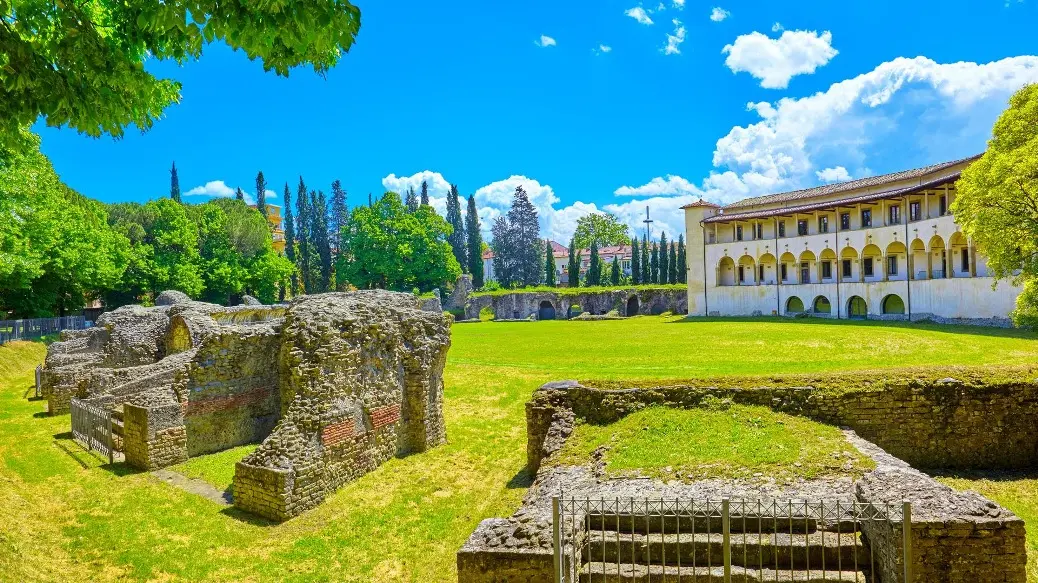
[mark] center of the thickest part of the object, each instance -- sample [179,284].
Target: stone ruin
[332,385]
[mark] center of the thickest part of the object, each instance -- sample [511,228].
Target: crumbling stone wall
[154,437]
[522,305]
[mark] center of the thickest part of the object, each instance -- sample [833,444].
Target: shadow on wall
[893,324]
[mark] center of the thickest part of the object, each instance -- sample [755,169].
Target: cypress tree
[573,266]
[663,259]
[682,260]
[636,262]
[594,268]
[261,195]
[319,238]
[174,184]
[412,200]
[303,236]
[614,272]
[425,192]
[290,239]
[549,264]
[457,236]
[239,195]
[646,268]
[672,264]
[654,264]
[337,219]
[475,243]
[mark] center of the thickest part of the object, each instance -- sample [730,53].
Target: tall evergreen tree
[594,267]
[646,268]
[290,240]
[303,236]
[425,192]
[672,263]
[337,218]
[636,262]
[412,200]
[682,260]
[517,244]
[475,243]
[174,184]
[573,266]
[457,236]
[549,264]
[664,259]
[239,194]
[614,272]
[319,238]
[261,195]
[654,264]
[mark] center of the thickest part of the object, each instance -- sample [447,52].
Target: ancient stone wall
[154,437]
[627,302]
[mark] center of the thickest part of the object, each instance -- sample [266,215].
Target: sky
[591,106]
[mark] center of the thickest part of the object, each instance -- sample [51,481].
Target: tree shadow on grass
[522,479]
[41,415]
[899,325]
[248,518]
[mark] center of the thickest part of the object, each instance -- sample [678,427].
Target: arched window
[822,305]
[546,311]
[857,308]
[794,305]
[726,271]
[893,304]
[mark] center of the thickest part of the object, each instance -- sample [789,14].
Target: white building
[880,247]
[560,253]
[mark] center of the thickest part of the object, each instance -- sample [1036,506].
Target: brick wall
[154,437]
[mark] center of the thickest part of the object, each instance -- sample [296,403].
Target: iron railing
[92,427]
[682,540]
[36,328]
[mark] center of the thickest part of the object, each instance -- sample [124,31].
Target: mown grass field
[65,514]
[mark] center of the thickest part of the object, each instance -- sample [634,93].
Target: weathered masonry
[884,247]
[559,306]
[332,386]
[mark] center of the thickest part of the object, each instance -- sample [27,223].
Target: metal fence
[39,381]
[709,541]
[29,329]
[92,427]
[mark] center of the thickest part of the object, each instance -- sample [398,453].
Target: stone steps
[610,572]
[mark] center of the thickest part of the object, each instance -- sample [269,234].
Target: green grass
[718,442]
[574,291]
[65,513]
[215,468]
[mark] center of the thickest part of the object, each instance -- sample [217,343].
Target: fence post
[556,538]
[906,529]
[726,539]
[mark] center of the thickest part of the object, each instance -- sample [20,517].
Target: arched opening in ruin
[178,339]
[822,305]
[893,304]
[546,311]
[632,306]
[857,308]
[657,309]
[794,305]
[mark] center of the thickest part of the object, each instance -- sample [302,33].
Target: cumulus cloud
[777,27]
[670,186]
[219,189]
[718,14]
[834,174]
[438,187]
[602,49]
[638,13]
[545,41]
[674,40]
[776,61]
[679,4]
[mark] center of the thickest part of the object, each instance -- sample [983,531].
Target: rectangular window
[742,274]
[895,214]
[942,204]
[785,272]
[738,232]
[805,272]
[823,224]
[782,228]
[845,221]
[760,274]
[965,261]
[892,265]
[712,238]
[801,227]
[867,266]
[914,211]
[827,270]
[846,267]
[866,218]
[760,231]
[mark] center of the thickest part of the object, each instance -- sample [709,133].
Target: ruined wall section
[522,305]
[361,381]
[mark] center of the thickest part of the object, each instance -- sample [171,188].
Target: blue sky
[584,104]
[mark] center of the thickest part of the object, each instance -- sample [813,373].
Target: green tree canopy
[81,64]
[602,228]
[997,203]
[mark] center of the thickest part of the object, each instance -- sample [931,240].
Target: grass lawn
[721,442]
[67,514]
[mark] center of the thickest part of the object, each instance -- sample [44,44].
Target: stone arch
[872,257]
[178,338]
[768,264]
[821,305]
[938,254]
[849,267]
[857,308]
[958,246]
[747,270]
[899,252]
[546,311]
[632,306]
[794,305]
[806,267]
[726,271]
[918,251]
[893,304]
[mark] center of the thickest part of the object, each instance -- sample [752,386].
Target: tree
[425,193]
[602,228]
[174,184]
[338,218]
[573,266]
[997,202]
[82,64]
[412,200]
[594,267]
[303,253]
[664,259]
[549,264]
[654,264]
[636,262]
[290,240]
[672,264]
[239,194]
[682,260]
[319,241]
[614,272]
[646,268]
[517,243]
[392,248]
[475,243]
[457,236]
[261,195]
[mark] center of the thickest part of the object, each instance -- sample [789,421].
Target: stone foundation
[627,302]
[154,437]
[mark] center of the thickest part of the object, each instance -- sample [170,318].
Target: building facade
[277,233]
[885,247]
[560,253]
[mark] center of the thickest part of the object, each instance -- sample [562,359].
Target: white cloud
[638,13]
[776,61]
[679,4]
[545,41]
[674,40]
[670,186]
[438,187]
[718,14]
[602,49]
[834,174]
[777,27]
[219,189]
